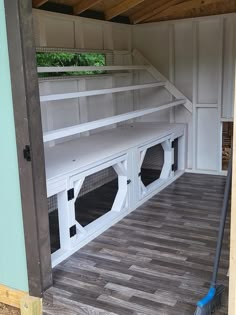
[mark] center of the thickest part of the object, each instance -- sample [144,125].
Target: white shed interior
[164,81]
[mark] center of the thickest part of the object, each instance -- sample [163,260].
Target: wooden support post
[11,297]
[232,266]
[27,116]
[28,305]
[31,306]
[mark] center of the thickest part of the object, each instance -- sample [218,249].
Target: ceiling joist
[38,3]
[175,10]
[120,8]
[139,11]
[84,5]
[152,10]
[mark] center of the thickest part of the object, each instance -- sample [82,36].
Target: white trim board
[206,172]
[56,97]
[69,131]
[90,68]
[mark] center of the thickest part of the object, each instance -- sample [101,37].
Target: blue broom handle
[222,223]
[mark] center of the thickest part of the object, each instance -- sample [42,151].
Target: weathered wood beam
[232,265]
[177,9]
[38,3]
[120,8]
[151,10]
[84,5]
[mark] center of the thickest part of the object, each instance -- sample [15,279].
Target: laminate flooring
[156,261]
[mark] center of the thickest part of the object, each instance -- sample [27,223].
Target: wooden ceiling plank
[38,3]
[120,8]
[152,10]
[181,8]
[84,5]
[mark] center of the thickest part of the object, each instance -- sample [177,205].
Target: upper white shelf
[56,97]
[91,68]
[73,130]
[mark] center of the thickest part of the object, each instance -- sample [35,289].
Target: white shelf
[90,68]
[73,130]
[56,97]
[78,154]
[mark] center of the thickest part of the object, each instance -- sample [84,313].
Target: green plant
[70,59]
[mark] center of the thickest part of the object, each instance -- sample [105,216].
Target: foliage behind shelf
[68,60]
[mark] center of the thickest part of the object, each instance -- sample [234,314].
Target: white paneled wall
[58,30]
[198,56]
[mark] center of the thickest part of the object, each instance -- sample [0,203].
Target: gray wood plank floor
[158,260]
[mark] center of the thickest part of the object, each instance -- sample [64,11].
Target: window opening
[70,59]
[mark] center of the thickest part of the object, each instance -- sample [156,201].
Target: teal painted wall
[13,269]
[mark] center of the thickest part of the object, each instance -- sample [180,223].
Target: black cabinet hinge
[128,181]
[140,174]
[27,153]
[70,194]
[72,231]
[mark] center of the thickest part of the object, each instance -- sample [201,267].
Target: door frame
[29,135]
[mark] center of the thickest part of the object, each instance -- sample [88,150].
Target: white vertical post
[64,220]
[166,170]
[172,64]
[195,92]
[82,103]
[121,197]
[220,90]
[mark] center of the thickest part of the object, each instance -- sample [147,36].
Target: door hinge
[128,181]
[70,194]
[27,153]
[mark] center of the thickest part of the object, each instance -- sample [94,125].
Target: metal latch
[27,153]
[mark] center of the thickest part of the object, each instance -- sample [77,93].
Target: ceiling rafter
[180,8]
[140,11]
[121,7]
[152,10]
[38,3]
[84,5]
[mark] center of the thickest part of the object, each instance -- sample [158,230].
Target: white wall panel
[122,37]
[59,32]
[199,63]
[100,106]
[185,117]
[208,61]
[64,112]
[123,102]
[93,35]
[207,139]
[228,73]
[183,58]
[66,31]
[153,42]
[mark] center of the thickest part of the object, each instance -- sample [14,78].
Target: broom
[212,300]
